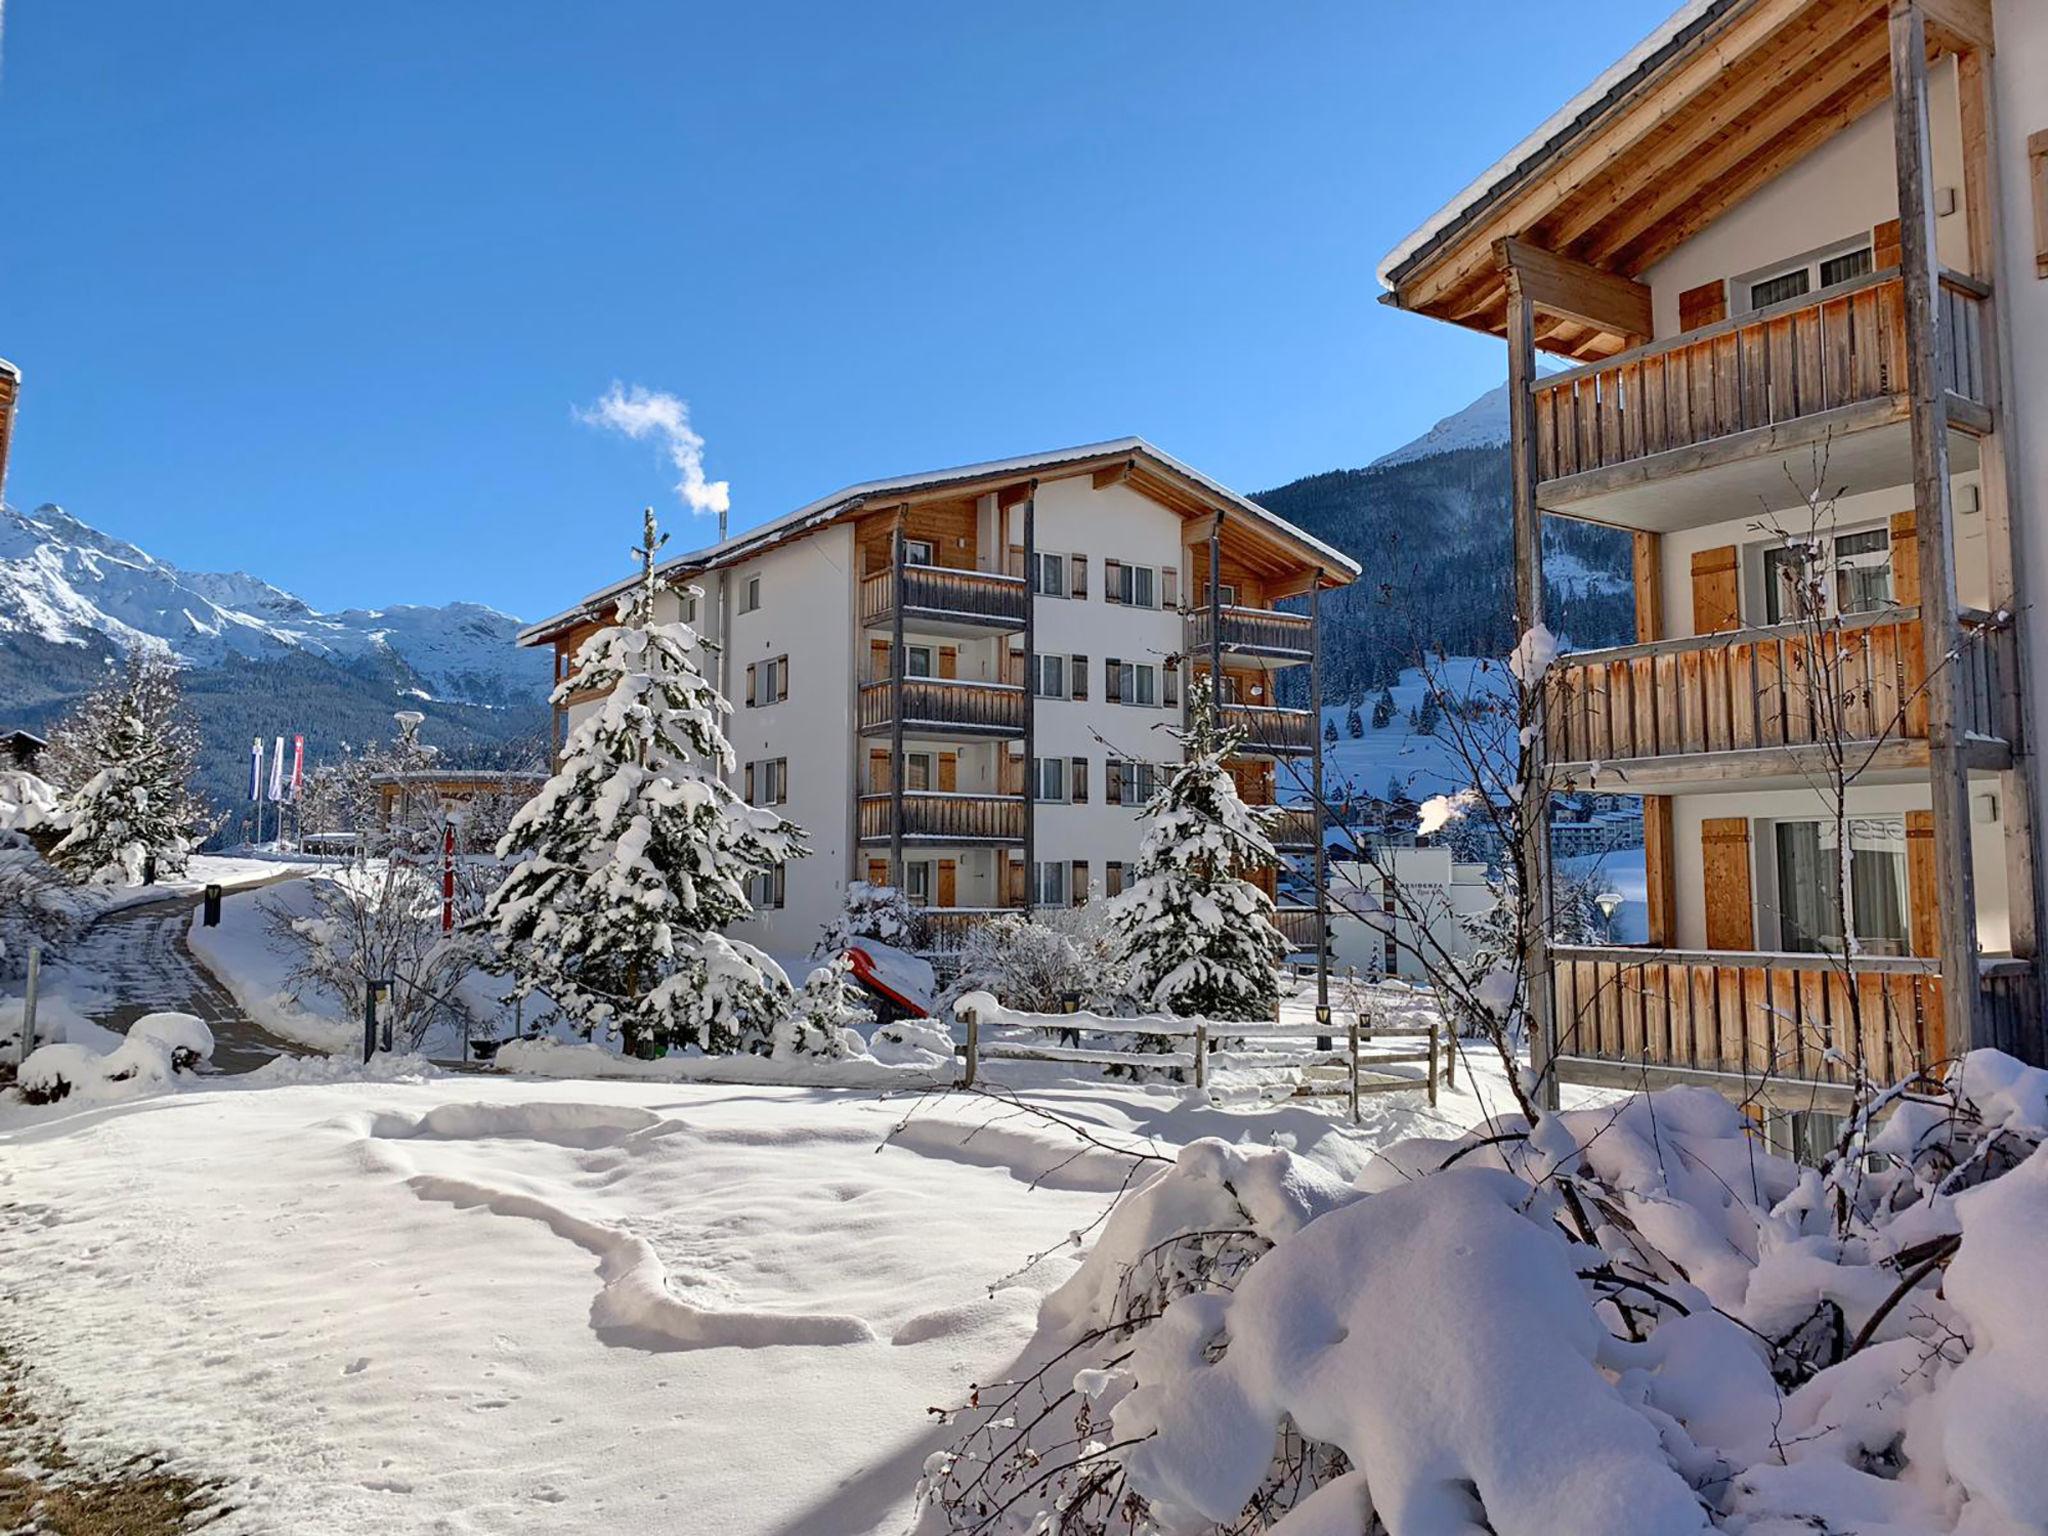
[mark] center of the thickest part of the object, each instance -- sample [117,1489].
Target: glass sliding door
[1810,890]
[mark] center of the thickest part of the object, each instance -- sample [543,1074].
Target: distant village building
[21,749]
[1408,903]
[454,793]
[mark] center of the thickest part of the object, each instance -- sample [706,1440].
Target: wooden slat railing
[941,930]
[939,592]
[1280,732]
[1795,359]
[943,704]
[1802,1018]
[1253,631]
[1295,826]
[932,816]
[1297,925]
[1773,687]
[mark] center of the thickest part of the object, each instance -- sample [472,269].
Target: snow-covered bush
[823,1020]
[1628,1321]
[159,1048]
[872,912]
[913,1042]
[636,855]
[125,757]
[1031,962]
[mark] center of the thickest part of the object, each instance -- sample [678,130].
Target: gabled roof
[874,494]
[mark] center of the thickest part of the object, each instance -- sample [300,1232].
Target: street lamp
[1609,902]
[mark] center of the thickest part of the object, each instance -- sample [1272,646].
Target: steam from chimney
[642,413]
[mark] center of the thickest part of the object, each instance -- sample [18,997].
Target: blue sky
[315,292]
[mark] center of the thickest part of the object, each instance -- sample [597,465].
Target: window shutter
[1884,246]
[949,661]
[1079,892]
[878,871]
[949,772]
[1704,305]
[1113,782]
[1112,682]
[1013,880]
[1079,668]
[1112,572]
[1724,851]
[1905,559]
[1714,605]
[949,886]
[1078,787]
[879,780]
[750,783]
[1923,900]
[750,684]
[1016,669]
[1169,683]
[781,679]
[1077,575]
[1169,587]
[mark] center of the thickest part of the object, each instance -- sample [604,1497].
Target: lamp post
[1609,902]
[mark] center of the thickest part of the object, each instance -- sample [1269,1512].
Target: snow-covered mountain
[1482,424]
[62,580]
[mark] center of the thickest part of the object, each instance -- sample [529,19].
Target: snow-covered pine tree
[878,912]
[1354,726]
[1383,710]
[1199,940]
[635,856]
[827,1012]
[126,756]
[1430,714]
[1329,733]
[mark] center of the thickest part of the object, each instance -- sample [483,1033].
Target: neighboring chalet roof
[1715,103]
[876,494]
[462,776]
[26,736]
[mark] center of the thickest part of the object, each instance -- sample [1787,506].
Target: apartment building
[1786,246]
[961,683]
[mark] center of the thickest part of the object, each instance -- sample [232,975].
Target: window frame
[1040,660]
[750,594]
[1043,560]
[1060,768]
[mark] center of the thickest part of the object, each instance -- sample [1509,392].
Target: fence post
[1201,1053]
[1436,1026]
[1355,1016]
[1450,1051]
[28,1003]
[973,1045]
[369,1021]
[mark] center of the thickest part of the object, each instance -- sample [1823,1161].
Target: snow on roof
[826,508]
[1560,125]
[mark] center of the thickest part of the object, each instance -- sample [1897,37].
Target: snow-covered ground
[480,1304]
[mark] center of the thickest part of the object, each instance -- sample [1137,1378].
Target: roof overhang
[1129,460]
[1713,105]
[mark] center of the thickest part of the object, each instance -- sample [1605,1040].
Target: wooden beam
[1934,515]
[1649,581]
[1660,869]
[1572,290]
[1113,474]
[1958,26]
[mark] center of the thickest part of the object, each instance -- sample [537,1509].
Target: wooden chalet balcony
[944,600]
[1262,632]
[1810,370]
[1662,711]
[943,707]
[1297,924]
[1294,828]
[1271,732]
[943,929]
[932,816]
[1798,1020]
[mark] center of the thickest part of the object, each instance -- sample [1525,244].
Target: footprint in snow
[357,1366]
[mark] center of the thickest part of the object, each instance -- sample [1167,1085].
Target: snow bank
[557,1058]
[159,1047]
[57,1021]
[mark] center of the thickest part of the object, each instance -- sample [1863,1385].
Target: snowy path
[136,960]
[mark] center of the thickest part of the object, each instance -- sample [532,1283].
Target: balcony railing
[1297,925]
[1800,1018]
[1274,732]
[1253,632]
[943,707]
[942,930]
[1778,364]
[1863,679]
[1294,828]
[931,816]
[943,595]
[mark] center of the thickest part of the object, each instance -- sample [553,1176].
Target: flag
[256,770]
[298,765]
[277,772]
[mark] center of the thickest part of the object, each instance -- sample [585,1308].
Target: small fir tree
[1429,715]
[1329,733]
[126,757]
[1198,939]
[824,1021]
[1354,726]
[1383,709]
[636,855]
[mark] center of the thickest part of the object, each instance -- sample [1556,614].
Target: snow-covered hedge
[159,1047]
[1632,1321]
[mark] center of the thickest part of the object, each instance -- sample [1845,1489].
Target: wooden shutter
[1112,683]
[1014,673]
[750,683]
[949,661]
[1905,559]
[949,772]
[1649,580]
[1884,246]
[949,882]
[1011,774]
[1923,891]
[1704,305]
[1013,882]
[1659,866]
[1077,781]
[1078,886]
[1077,667]
[1077,575]
[1112,576]
[781,679]
[878,661]
[750,783]
[1113,878]
[878,871]
[879,780]
[2037,179]
[1169,683]
[1113,782]
[1169,587]
[1715,605]
[1724,858]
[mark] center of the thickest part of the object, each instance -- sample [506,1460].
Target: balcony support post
[1535,802]
[1315,719]
[1216,617]
[1934,515]
[1030,698]
[897,669]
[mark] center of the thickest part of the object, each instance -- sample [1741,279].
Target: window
[917,551]
[750,594]
[686,605]
[768,782]
[1049,676]
[1776,290]
[1845,267]
[1048,574]
[1810,273]
[1131,682]
[917,661]
[1856,575]
[917,770]
[1049,779]
[1809,885]
[917,880]
[766,891]
[1229,594]
[1049,884]
[1135,585]
[767,682]
[1133,783]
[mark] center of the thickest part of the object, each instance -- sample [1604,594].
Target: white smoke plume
[641,413]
